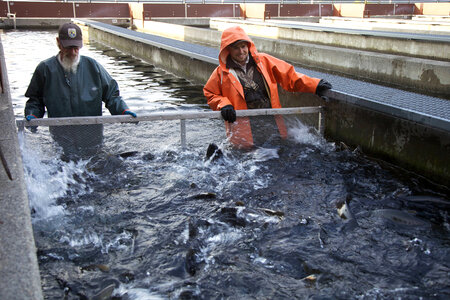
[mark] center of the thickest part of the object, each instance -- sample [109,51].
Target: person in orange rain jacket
[247,79]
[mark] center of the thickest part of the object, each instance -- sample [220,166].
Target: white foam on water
[251,217]
[55,256]
[383,293]
[86,209]
[225,238]
[123,241]
[303,134]
[215,176]
[418,243]
[185,234]
[265,154]
[136,293]
[217,243]
[81,239]
[48,179]
[258,260]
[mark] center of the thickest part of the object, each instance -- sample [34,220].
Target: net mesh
[72,142]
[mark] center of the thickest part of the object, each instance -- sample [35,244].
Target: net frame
[182,116]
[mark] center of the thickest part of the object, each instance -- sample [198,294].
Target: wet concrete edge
[19,270]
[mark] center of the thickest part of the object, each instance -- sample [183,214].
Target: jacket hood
[229,36]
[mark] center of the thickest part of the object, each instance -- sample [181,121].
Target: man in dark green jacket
[71,85]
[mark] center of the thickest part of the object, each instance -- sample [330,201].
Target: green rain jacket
[69,95]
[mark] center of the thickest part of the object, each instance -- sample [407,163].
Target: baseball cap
[237,42]
[70,35]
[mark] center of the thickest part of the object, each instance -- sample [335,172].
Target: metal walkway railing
[182,116]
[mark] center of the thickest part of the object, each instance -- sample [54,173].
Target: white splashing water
[137,293]
[216,243]
[265,154]
[49,179]
[81,239]
[303,134]
[121,242]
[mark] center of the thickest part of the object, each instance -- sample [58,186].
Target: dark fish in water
[322,236]
[187,295]
[105,165]
[206,195]
[103,268]
[213,152]
[194,225]
[230,215]
[400,217]
[311,277]
[430,199]
[104,294]
[148,156]
[191,263]
[126,277]
[128,154]
[344,211]
[343,208]
[271,212]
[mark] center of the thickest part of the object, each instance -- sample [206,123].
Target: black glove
[228,113]
[322,87]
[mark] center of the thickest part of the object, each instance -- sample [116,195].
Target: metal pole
[183,133]
[20,125]
[320,125]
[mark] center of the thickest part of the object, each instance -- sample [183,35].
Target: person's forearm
[34,107]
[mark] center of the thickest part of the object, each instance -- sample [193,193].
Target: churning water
[143,219]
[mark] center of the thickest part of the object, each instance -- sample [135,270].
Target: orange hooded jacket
[223,88]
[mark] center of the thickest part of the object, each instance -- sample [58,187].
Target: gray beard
[69,66]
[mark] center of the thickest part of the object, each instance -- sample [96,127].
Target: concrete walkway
[418,62]
[19,272]
[411,60]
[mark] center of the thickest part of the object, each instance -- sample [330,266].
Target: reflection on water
[147,87]
[297,218]
[144,87]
